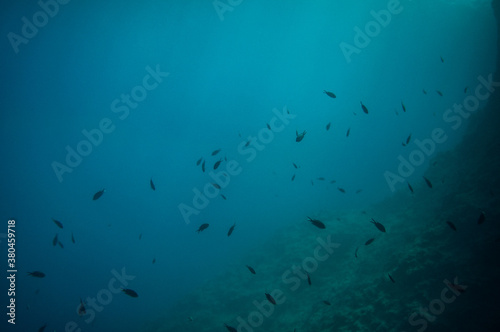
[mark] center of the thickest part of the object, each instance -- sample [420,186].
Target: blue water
[221,76]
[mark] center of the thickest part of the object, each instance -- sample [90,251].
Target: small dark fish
[408,139]
[299,137]
[81,309]
[458,288]
[268,126]
[202,227]
[295,165]
[369,241]
[327,302]
[37,274]
[348,132]
[230,328]
[98,194]
[140,236]
[321,178]
[72,237]
[293,177]
[217,164]
[60,244]
[364,108]
[199,161]
[342,190]
[42,328]
[248,142]
[58,223]
[409,186]
[465,90]
[439,93]
[358,191]
[333,181]
[328,126]
[392,279]
[129,292]
[427,181]
[250,269]
[215,152]
[152,184]
[203,166]
[452,226]
[308,279]
[54,241]
[425,92]
[312,183]
[231,230]
[403,106]
[216,185]
[154,260]
[356,252]
[317,223]
[481,219]
[270,298]
[223,197]
[442,60]
[330,94]
[378,225]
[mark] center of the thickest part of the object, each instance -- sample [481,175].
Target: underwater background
[113,115]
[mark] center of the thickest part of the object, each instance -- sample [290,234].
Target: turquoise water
[115,95]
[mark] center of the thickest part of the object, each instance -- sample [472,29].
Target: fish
[408,139]
[378,225]
[392,279]
[81,309]
[439,93]
[299,137]
[130,292]
[369,241]
[248,142]
[231,230]
[216,185]
[364,108]
[54,241]
[268,126]
[312,183]
[348,132]
[481,219]
[216,151]
[140,236]
[202,227]
[308,279]
[328,126]
[425,92]
[223,197]
[356,252]
[72,237]
[37,274]
[452,226]
[333,181]
[270,298]
[42,328]
[230,328]
[250,269]
[199,161]
[342,190]
[320,178]
[152,184]
[217,164]
[465,89]
[293,177]
[358,191]
[330,94]
[203,166]
[317,223]
[442,60]
[295,165]
[58,223]
[60,244]
[98,194]
[154,260]
[409,186]
[403,106]
[458,288]
[427,181]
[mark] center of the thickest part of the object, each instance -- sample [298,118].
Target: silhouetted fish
[328,126]
[452,226]
[72,237]
[203,166]
[481,219]
[216,151]
[427,181]
[408,139]
[293,177]
[425,92]
[295,165]
[152,184]
[202,227]
[223,197]
[270,298]
[54,241]
[465,90]
[98,194]
[409,186]
[42,328]
[81,309]
[330,94]
[442,60]
[154,260]
[217,164]
[321,178]
[231,230]
[58,223]
[439,93]
[317,223]
[308,279]
[326,302]
[356,252]
[348,132]
[378,225]
[342,190]
[230,328]
[37,274]
[364,108]
[129,292]
[369,241]
[199,161]
[392,279]
[216,185]
[358,191]
[333,181]
[250,269]
[60,244]
[299,137]
[403,106]
[140,236]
